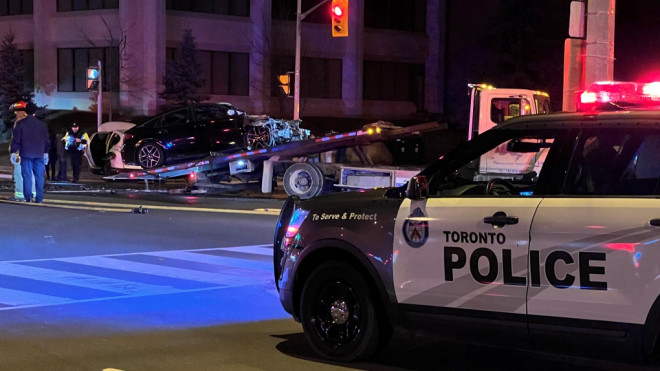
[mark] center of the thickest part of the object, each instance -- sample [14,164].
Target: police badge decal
[416,229]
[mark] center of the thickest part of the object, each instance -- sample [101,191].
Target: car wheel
[150,155]
[338,314]
[303,180]
[258,137]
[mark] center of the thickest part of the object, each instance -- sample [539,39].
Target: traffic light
[285,81]
[339,14]
[92,78]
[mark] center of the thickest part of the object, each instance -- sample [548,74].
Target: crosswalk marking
[14,298]
[44,282]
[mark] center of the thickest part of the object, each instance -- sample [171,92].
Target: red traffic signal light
[337,11]
[339,21]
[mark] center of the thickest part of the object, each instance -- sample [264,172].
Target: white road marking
[232,272]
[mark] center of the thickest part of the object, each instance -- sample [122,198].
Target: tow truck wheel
[303,180]
[150,155]
[338,314]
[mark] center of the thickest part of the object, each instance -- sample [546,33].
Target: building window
[395,14]
[15,7]
[27,58]
[72,66]
[393,81]
[319,77]
[224,73]
[239,8]
[73,5]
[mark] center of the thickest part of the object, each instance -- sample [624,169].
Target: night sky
[520,43]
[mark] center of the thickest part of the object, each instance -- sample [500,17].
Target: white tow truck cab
[490,106]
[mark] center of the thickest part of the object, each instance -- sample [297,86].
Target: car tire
[303,180]
[338,314]
[150,155]
[107,168]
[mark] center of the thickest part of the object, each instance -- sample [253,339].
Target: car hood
[115,126]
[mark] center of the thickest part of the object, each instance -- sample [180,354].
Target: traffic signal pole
[296,84]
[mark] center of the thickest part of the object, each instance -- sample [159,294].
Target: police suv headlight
[291,237]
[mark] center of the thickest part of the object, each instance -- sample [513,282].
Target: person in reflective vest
[75,141]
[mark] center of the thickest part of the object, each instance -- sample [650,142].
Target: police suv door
[464,250]
[595,250]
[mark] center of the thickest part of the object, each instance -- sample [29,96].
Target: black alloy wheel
[258,137]
[338,314]
[150,155]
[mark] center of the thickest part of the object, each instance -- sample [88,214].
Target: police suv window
[510,167]
[615,162]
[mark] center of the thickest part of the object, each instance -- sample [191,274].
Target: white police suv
[541,233]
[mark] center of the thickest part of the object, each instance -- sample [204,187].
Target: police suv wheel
[338,315]
[150,155]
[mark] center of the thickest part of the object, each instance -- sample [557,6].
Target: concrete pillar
[45,52]
[599,46]
[434,72]
[352,64]
[573,72]
[260,55]
[143,63]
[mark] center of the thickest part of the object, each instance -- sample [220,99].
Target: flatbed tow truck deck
[306,175]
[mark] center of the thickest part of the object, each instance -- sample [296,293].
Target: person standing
[30,139]
[76,141]
[18,109]
[61,154]
[52,156]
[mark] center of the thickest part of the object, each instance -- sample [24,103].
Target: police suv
[542,233]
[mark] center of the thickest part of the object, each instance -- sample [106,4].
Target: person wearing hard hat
[76,140]
[30,139]
[18,109]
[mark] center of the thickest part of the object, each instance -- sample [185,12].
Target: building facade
[391,65]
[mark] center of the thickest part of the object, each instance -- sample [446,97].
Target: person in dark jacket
[52,156]
[30,139]
[76,140]
[61,155]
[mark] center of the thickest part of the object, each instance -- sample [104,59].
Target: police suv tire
[303,180]
[150,155]
[338,314]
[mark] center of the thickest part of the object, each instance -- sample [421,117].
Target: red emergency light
[618,95]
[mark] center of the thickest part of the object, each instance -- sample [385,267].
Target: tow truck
[300,163]
[303,166]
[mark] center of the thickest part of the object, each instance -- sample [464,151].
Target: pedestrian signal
[284,83]
[92,78]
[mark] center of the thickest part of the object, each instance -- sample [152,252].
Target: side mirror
[418,188]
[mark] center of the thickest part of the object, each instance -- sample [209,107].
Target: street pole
[296,84]
[99,111]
